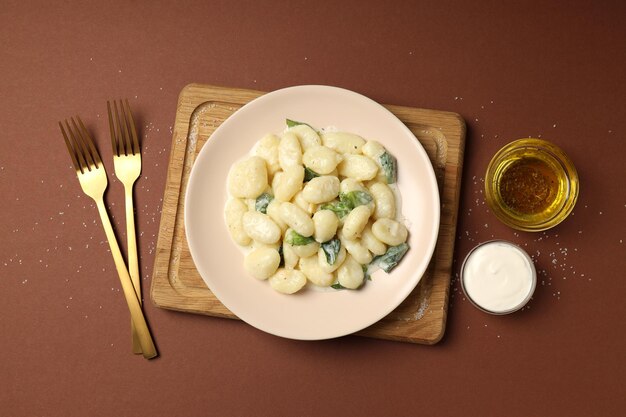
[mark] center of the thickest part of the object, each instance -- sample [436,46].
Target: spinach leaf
[338,207]
[292,123]
[389,164]
[338,286]
[348,201]
[331,250]
[309,174]
[296,239]
[355,198]
[391,258]
[366,273]
[282,256]
[262,202]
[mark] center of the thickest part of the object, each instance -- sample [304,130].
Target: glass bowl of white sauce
[498,277]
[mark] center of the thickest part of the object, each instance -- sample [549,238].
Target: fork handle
[133,261]
[138,319]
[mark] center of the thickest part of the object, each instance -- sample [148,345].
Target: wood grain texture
[177,285]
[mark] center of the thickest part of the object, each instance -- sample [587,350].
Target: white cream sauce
[498,276]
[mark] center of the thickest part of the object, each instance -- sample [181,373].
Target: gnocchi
[350,274]
[287,281]
[311,268]
[273,210]
[260,227]
[262,263]
[298,219]
[315,207]
[342,142]
[233,213]
[358,251]
[325,223]
[371,242]
[358,167]
[321,159]
[307,136]
[248,178]
[288,182]
[384,201]
[389,231]
[321,189]
[300,201]
[289,151]
[355,222]
[290,257]
[267,148]
[373,149]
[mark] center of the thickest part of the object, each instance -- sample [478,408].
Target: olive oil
[531,185]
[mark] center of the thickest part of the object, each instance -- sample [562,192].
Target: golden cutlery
[127,162]
[93,180]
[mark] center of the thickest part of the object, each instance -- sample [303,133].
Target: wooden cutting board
[177,285]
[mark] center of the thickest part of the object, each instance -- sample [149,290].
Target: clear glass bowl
[522,157]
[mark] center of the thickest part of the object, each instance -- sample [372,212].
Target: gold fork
[127,162]
[93,181]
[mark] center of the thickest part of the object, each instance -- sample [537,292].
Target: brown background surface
[511,70]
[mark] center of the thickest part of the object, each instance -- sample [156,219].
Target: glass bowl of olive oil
[531,185]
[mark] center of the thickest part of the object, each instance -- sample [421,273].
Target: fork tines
[80,146]
[123,135]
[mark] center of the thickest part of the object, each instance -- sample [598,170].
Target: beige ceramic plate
[309,314]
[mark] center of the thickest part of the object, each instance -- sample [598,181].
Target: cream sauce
[498,276]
